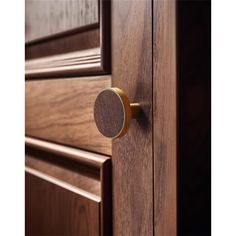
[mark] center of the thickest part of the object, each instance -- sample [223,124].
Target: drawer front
[53,209]
[62,111]
[68,190]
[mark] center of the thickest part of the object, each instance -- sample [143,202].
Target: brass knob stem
[135,110]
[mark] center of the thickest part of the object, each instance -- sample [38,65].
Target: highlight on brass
[113,112]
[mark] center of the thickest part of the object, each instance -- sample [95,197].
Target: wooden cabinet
[155,180]
[69,38]
[61,110]
[56,209]
[68,191]
[49,17]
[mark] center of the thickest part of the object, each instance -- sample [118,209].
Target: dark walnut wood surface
[62,111]
[73,173]
[54,208]
[67,174]
[67,183]
[48,17]
[165,117]
[132,154]
[84,38]
[74,46]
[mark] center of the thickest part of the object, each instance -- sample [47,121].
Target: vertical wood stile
[132,159]
[164,116]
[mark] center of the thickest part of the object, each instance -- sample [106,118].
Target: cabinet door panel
[75,31]
[52,209]
[48,17]
[67,175]
[62,111]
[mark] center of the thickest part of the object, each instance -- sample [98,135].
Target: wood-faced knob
[113,112]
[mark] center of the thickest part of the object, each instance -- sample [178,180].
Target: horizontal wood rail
[69,63]
[63,184]
[92,160]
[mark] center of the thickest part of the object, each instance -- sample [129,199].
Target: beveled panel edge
[104,38]
[63,184]
[67,171]
[76,41]
[81,29]
[106,196]
[74,63]
[89,159]
[84,20]
[105,34]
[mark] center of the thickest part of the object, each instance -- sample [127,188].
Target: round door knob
[113,112]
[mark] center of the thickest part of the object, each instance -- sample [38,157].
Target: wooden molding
[55,208]
[75,40]
[65,169]
[100,163]
[91,160]
[69,63]
[62,184]
[86,39]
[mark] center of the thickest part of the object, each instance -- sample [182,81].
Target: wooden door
[68,162]
[79,182]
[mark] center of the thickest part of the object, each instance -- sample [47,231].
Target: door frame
[144,161]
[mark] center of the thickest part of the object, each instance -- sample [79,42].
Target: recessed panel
[48,17]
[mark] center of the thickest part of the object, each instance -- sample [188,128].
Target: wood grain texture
[91,160]
[165,117]
[132,160]
[109,113]
[48,17]
[87,38]
[62,111]
[72,173]
[51,209]
[87,173]
[80,62]
[82,39]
